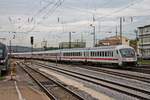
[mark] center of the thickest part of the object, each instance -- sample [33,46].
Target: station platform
[20,87]
[13,90]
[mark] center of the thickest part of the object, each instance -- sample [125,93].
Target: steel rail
[140,78]
[75,74]
[57,83]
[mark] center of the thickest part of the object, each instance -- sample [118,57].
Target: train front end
[3,58]
[127,56]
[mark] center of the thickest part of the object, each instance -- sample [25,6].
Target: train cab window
[127,52]
[117,51]
[1,53]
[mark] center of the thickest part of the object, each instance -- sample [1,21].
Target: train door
[86,55]
[119,58]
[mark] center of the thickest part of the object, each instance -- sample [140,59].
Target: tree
[133,43]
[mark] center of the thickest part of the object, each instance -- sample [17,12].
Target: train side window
[80,53]
[98,53]
[84,53]
[103,54]
[109,53]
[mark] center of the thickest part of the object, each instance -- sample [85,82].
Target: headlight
[2,61]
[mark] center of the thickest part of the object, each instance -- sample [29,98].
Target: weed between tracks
[1,78]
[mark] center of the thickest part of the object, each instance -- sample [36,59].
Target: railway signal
[32,40]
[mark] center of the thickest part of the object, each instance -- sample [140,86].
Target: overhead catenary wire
[51,11]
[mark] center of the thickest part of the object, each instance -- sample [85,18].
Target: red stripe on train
[91,58]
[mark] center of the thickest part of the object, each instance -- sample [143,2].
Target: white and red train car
[120,55]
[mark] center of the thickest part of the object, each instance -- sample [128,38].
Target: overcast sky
[52,20]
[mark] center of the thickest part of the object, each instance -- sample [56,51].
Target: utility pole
[116,31]
[69,39]
[81,37]
[94,35]
[10,47]
[120,30]
[32,42]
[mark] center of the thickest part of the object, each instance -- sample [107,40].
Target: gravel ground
[114,94]
[122,80]
[96,90]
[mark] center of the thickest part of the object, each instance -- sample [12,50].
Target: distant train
[4,59]
[117,55]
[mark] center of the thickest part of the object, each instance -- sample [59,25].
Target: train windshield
[1,52]
[127,52]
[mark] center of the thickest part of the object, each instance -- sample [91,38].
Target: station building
[144,41]
[114,40]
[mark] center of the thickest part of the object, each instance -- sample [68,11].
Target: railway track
[117,73]
[126,89]
[140,69]
[53,89]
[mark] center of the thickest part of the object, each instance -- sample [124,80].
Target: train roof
[101,47]
[78,49]
[2,45]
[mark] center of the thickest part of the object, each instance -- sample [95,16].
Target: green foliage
[144,62]
[133,43]
[1,78]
